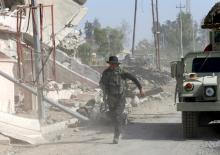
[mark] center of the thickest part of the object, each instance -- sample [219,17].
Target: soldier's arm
[131,77]
[134,79]
[103,81]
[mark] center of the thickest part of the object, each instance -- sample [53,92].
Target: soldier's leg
[112,114]
[118,122]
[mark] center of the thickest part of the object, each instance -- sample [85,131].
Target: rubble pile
[89,102]
[155,77]
[71,42]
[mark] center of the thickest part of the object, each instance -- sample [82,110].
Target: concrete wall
[65,75]
[75,66]
[7,88]
[67,13]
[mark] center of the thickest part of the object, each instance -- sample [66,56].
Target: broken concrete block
[128,100]
[165,94]
[76,130]
[59,126]
[144,100]
[135,101]
[72,123]
[128,107]
[4,139]
[157,97]
[94,113]
[66,86]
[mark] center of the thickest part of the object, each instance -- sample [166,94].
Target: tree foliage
[104,41]
[109,41]
[85,53]
[171,32]
[192,36]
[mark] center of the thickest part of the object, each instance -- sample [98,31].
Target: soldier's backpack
[117,85]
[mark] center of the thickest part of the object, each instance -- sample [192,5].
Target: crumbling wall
[65,75]
[75,66]
[11,4]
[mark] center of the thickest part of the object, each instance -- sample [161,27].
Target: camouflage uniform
[113,83]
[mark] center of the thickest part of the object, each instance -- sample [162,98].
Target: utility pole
[194,42]
[154,32]
[158,37]
[181,28]
[38,64]
[134,28]
[188,6]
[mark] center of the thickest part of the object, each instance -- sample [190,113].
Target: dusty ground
[154,129]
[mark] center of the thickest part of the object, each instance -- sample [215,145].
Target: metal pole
[181,33]
[154,32]
[193,31]
[50,101]
[37,56]
[181,29]
[134,28]
[158,37]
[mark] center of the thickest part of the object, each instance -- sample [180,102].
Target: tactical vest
[116,84]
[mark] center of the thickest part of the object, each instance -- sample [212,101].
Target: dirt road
[154,129]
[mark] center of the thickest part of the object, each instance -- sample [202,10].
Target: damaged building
[67,85]
[19,108]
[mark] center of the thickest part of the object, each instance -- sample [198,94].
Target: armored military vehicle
[198,80]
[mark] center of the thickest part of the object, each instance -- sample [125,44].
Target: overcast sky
[113,12]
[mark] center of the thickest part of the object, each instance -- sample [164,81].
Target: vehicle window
[206,65]
[217,37]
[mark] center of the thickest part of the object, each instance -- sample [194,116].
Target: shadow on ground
[155,131]
[167,131]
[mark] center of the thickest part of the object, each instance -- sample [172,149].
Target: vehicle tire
[190,124]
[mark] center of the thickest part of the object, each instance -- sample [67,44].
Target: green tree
[105,41]
[170,35]
[116,40]
[88,30]
[90,27]
[187,31]
[85,53]
[126,30]
[109,41]
[101,39]
[96,23]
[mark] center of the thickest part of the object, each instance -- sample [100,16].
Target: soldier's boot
[115,140]
[125,119]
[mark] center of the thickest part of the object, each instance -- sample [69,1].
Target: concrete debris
[76,130]
[166,94]
[4,139]
[128,107]
[157,97]
[128,100]
[149,76]
[70,43]
[60,126]
[145,99]
[135,101]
